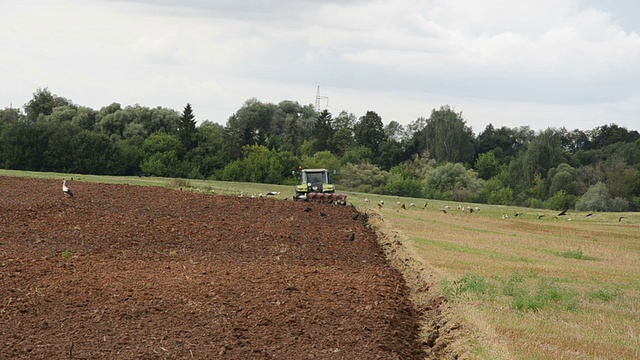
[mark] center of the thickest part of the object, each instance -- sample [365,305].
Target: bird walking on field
[65,188]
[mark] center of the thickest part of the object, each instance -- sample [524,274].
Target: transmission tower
[318,98]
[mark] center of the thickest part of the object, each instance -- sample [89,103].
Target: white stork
[65,189]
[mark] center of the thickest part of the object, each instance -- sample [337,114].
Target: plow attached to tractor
[315,185]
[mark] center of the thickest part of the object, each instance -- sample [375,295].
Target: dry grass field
[529,286]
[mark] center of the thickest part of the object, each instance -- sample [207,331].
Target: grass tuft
[577,254]
[469,283]
[547,294]
[604,295]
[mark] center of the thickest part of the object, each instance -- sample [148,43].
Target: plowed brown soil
[130,272]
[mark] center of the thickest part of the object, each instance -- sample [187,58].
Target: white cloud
[538,62]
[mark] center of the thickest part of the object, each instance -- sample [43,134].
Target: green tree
[292,139]
[161,156]
[399,185]
[130,155]
[24,144]
[451,181]
[369,132]
[505,142]
[187,128]
[606,135]
[85,118]
[208,155]
[597,198]
[564,177]
[447,138]
[321,160]
[543,153]
[60,152]
[487,165]
[43,103]
[392,153]
[10,115]
[618,177]
[561,201]
[323,131]
[113,124]
[260,165]
[357,155]
[343,138]
[364,177]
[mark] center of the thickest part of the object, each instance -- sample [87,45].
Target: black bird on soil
[352,237]
[323,214]
[356,216]
[307,209]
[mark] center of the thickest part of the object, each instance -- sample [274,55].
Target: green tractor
[315,185]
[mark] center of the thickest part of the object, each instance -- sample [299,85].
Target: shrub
[597,198]
[561,200]
[364,177]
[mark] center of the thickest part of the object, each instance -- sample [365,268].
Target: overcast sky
[541,63]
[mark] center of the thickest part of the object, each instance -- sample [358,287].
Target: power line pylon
[318,98]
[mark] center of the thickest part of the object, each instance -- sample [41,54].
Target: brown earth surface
[126,272]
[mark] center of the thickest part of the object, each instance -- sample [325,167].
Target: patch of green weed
[604,295]
[547,294]
[469,283]
[576,254]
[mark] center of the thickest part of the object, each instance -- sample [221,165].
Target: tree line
[438,157]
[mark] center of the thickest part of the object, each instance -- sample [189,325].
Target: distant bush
[403,187]
[597,198]
[364,177]
[561,200]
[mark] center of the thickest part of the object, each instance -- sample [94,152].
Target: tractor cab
[316,180]
[315,185]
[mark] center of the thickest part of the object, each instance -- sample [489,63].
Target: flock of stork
[471,209]
[67,191]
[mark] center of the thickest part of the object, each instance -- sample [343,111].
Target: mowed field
[517,287]
[530,286]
